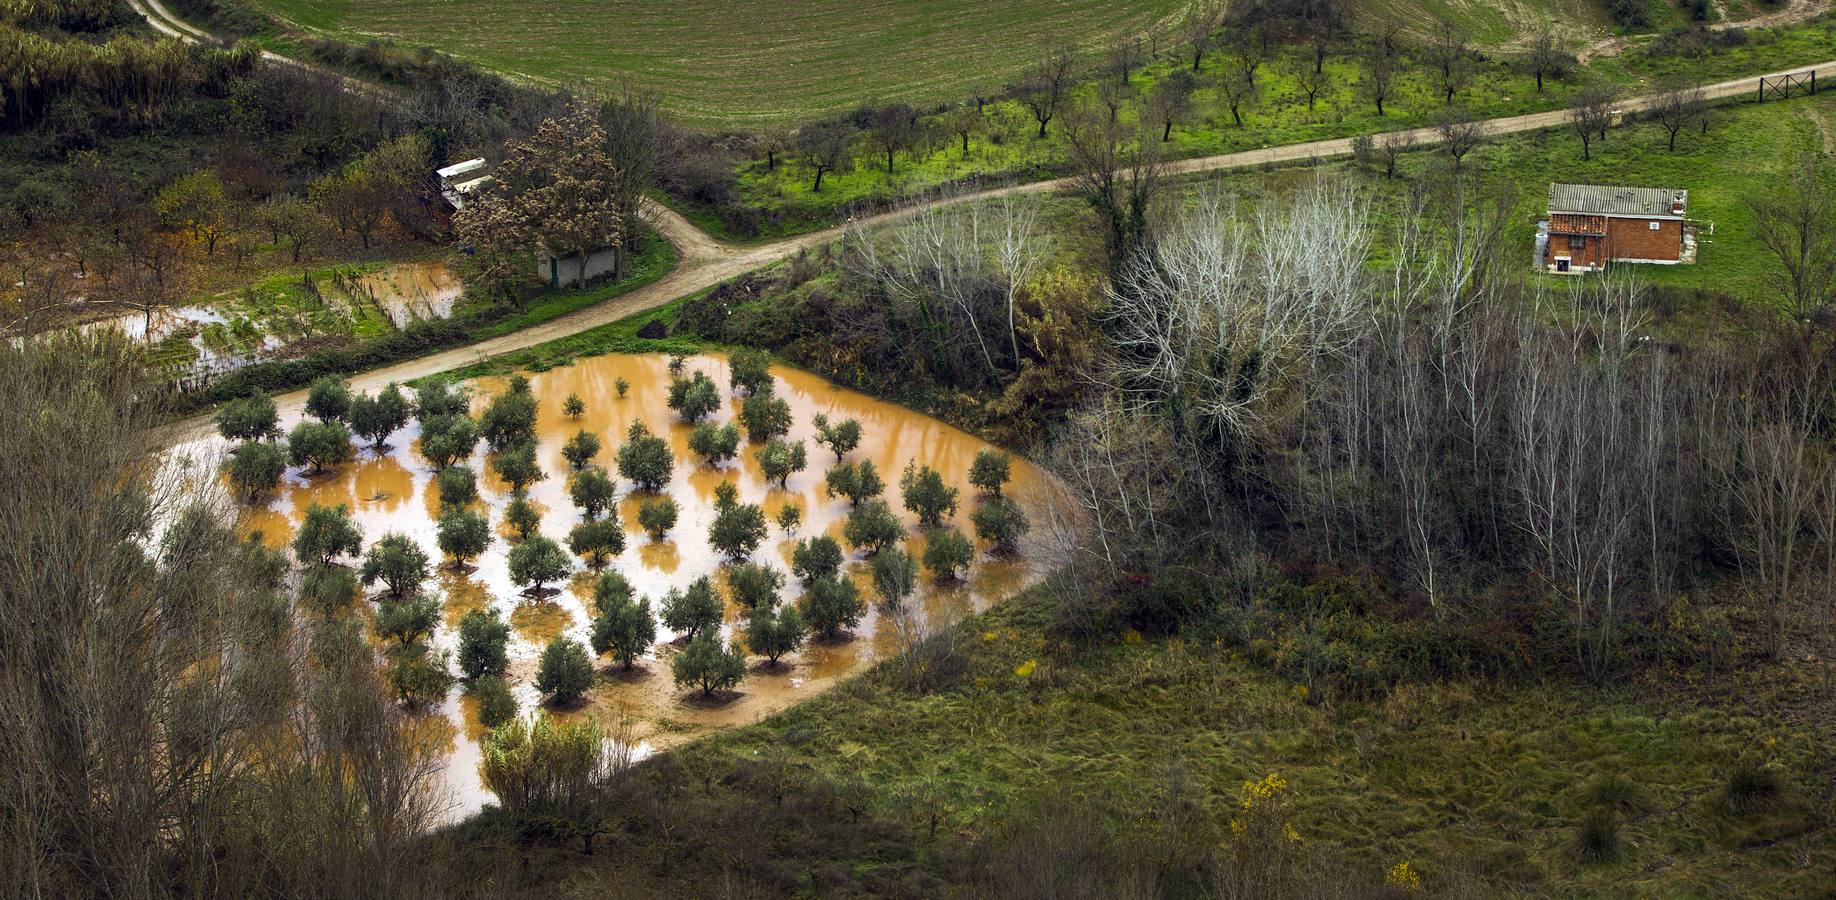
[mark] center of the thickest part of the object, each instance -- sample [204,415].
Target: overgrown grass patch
[1479,779]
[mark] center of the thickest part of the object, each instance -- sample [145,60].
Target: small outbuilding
[1591,225]
[460,180]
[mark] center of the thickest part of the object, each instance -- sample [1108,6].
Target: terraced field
[746,62]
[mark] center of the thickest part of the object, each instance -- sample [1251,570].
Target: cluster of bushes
[1346,635]
[1697,41]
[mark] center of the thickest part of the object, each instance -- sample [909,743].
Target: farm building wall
[1590,255]
[1634,240]
[563,271]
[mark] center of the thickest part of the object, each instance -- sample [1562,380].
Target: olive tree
[1001,523]
[328,589]
[408,619]
[694,398]
[597,539]
[255,469]
[708,664]
[832,603]
[990,471]
[873,526]
[250,418]
[398,562]
[692,610]
[565,672]
[779,459]
[925,494]
[375,418]
[816,557]
[895,575]
[457,487]
[580,449]
[328,399]
[765,416]
[522,517]
[510,417]
[714,443]
[319,445]
[593,492]
[737,529]
[749,369]
[325,534]
[447,439]
[773,632]
[573,407]
[858,482]
[841,437]
[657,517]
[463,534]
[483,641]
[496,706]
[624,629]
[946,553]
[517,466]
[537,561]
[435,398]
[755,585]
[645,459]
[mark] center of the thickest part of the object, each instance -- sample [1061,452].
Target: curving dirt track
[706,261]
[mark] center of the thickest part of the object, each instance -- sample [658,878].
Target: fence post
[1762,86]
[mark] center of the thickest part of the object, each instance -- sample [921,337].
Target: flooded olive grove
[393,490]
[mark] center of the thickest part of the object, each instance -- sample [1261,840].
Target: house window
[1577,242]
[1654,226]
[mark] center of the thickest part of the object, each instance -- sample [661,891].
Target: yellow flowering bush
[1025,669]
[1402,876]
[1262,808]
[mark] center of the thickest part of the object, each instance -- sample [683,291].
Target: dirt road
[706,261]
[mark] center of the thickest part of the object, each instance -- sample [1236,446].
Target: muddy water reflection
[414,290]
[394,492]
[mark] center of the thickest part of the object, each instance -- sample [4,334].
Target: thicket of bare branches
[955,274]
[170,727]
[1440,418]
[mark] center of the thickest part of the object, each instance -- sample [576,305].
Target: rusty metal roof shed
[1604,200]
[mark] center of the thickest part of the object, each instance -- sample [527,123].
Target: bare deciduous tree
[1460,133]
[1116,169]
[1592,115]
[1379,77]
[1676,106]
[1198,27]
[1545,57]
[1797,224]
[1452,60]
[1043,89]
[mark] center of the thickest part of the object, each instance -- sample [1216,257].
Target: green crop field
[745,62]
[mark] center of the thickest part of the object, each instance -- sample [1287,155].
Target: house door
[1561,264]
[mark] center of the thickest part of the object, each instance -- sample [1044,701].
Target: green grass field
[745,62]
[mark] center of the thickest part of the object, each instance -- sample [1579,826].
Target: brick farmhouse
[1593,225]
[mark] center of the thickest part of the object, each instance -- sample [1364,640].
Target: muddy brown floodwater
[409,291]
[394,491]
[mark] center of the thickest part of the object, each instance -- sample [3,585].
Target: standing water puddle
[394,492]
[411,291]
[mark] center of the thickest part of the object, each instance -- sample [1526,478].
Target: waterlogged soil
[393,491]
[411,291]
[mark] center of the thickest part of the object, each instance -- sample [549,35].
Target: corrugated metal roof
[1617,201]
